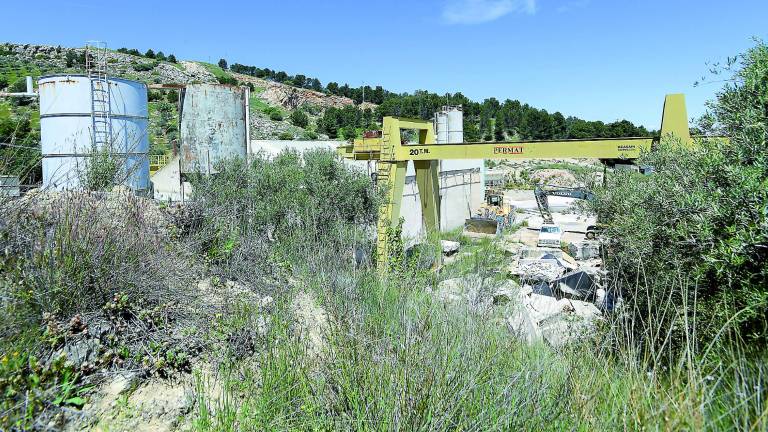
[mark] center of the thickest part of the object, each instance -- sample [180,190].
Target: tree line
[150,54]
[483,121]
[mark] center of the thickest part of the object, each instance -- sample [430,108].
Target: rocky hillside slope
[271,103]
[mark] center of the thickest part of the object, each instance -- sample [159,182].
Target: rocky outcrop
[290,97]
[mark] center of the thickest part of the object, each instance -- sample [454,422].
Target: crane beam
[392,156]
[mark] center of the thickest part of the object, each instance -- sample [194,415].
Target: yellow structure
[392,156]
[158,161]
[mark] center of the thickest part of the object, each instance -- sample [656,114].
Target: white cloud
[480,11]
[573,5]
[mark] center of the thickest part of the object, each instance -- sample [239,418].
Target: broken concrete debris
[449,247]
[557,322]
[585,249]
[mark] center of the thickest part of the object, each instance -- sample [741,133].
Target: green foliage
[289,194]
[172,58]
[345,122]
[221,75]
[223,64]
[163,123]
[149,54]
[287,136]
[102,171]
[143,67]
[694,235]
[27,385]
[275,114]
[75,59]
[19,126]
[299,118]
[310,135]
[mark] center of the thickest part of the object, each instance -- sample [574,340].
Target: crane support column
[429,193]
[674,119]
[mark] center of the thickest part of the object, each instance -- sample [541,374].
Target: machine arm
[542,200]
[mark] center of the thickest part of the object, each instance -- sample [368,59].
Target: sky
[595,59]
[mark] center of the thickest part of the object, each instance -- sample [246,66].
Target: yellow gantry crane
[392,155]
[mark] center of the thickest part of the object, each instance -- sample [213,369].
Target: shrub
[287,195]
[285,136]
[101,171]
[310,135]
[68,260]
[143,67]
[299,118]
[274,114]
[687,244]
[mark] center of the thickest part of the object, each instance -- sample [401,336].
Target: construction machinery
[542,201]
[550,234]
[492,216]
[392,156]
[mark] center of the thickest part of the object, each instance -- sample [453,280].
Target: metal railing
[158,161]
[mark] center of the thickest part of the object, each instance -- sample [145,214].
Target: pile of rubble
[559,298]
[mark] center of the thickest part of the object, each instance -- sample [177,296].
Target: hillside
[319,111]
[17,61]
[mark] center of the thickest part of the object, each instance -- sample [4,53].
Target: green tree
[160,56]
[172,58]
[149,54]
[693,235]
[471,131]
[299,118]
[223,64]
[498,129]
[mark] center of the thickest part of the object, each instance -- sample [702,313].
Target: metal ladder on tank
[101,110]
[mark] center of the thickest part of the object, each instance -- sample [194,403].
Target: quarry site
[188,246]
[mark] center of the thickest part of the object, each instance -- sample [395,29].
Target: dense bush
[299,118]
[689,244]
[143,67]
[274,113]
[281,196]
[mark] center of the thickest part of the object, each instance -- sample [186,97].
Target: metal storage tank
[67,129]
[213,126]
[441,127]
[449,125]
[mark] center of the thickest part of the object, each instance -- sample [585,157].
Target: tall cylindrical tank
[455,116]
[449,125]
[213,126]
[67,130]
[441,127]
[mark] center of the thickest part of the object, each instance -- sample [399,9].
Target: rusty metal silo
[213,126]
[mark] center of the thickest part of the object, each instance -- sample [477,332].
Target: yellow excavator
[492,216]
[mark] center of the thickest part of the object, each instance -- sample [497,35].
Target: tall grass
[395,358]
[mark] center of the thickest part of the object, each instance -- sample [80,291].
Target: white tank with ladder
[81,115]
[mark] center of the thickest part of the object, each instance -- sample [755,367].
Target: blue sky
[596,59]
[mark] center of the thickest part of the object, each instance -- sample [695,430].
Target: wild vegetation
[692,239]
[179,291]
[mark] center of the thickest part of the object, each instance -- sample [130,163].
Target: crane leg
[429,193]
[392,176]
